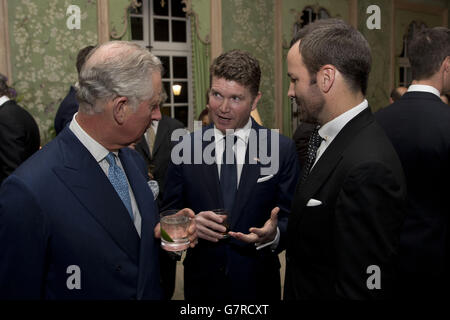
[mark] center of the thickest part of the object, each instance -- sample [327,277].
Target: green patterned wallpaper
[379,40]
[43,53]
[249,25]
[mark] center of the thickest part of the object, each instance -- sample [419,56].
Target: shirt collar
[242,133]
[331,129]
[424,88]
[3,99]
[98,151]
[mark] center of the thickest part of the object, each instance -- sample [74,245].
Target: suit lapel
[149,214]
[210,172]
[142,145]
[86,180]
[330,158]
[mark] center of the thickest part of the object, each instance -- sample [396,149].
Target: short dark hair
[6,90]
[339,44]
[239,66]
[300,34]
[396,94]
[203,113]
[427,50]
[81,57]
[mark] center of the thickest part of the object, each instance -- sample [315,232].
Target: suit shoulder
[172,123]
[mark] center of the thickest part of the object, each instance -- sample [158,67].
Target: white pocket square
[313,203]
[264,178]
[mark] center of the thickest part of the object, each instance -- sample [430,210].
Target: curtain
[200,68]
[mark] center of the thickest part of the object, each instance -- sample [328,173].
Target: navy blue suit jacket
[231,269]
[59,210]
[66,110]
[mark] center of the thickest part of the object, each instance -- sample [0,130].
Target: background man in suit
[78,220]
[19,133]
[69,105]
[348,209]
[244,265]
[397,93]
[418,125]
[158,139]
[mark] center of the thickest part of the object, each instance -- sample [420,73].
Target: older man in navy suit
[78,220]
[246,169]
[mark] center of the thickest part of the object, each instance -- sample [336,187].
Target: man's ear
[255,101]
[119,107]
[326,77]
[447,64]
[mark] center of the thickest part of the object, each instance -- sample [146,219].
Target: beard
[310,106]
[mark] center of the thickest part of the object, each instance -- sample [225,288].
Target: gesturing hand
[260,235]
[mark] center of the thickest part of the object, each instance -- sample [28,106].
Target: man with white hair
[78,220]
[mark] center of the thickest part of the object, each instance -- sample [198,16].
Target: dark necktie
[314,143]
[228,174]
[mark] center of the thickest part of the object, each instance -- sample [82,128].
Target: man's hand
[209,226]
[260,235]
[192,229]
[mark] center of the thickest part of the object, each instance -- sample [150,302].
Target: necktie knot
[111,159]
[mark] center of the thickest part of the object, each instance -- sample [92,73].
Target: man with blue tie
[78,220]
[246,169]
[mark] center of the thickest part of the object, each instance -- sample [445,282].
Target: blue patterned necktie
[313,145]
[119,182]
[228,176]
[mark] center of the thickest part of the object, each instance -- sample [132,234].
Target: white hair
[116,68]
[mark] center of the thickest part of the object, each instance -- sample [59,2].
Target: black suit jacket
[418,125]
[66,110]
[19,137]
[160,157]
[332,246]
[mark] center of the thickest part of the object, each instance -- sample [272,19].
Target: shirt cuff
[273,244]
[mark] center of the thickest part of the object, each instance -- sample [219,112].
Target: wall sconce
[176,88]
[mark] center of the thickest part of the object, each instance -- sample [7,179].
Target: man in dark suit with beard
[19,133]
[418,125]
[349,205]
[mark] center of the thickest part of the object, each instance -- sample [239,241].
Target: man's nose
[224,107]
[291,92]
[156,114]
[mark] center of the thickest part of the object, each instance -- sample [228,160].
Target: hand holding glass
[174,230]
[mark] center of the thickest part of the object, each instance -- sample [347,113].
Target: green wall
[249,25]
[43,53]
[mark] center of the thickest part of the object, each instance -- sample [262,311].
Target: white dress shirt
[331,129]
[241,144]
[424,88]
[3,99]
[242,135]
[99,153]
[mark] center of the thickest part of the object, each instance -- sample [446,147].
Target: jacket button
[118,268]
